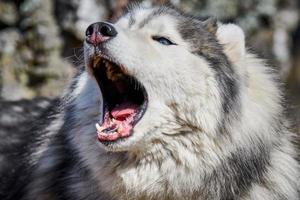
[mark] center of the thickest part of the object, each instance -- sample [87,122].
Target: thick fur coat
[214,127]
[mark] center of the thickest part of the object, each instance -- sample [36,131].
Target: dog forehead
[134,17]
[157,19]
[142,14]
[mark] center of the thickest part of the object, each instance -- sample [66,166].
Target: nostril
[89,31]
[105,30]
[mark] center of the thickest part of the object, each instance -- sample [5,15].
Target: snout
[100,32]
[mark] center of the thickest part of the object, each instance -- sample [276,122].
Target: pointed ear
[233,39]
[211,25]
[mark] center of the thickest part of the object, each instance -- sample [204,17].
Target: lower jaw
[114,142]
[112,138]
[117,123]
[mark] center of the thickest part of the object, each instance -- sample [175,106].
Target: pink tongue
[119,126]
[123,110]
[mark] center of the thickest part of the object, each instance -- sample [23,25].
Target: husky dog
[168,106]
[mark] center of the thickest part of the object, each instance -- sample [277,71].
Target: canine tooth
[99,128]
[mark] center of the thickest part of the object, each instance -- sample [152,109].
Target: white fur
[233,39]
[171,74]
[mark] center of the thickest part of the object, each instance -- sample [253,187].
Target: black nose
[99,32]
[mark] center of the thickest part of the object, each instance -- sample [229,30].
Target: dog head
[162,75]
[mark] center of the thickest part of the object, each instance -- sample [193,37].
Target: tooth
[99,128]
[120,128]
[96,61]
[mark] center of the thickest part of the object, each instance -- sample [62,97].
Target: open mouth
[124,100]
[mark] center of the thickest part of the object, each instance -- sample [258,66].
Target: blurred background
[41,45]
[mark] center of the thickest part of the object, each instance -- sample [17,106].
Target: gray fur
[214,128]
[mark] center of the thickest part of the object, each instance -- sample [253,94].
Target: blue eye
[163,40]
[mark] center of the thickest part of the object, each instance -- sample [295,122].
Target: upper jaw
[93,56]
[124,104]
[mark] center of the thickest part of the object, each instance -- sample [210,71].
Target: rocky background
[40,44]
